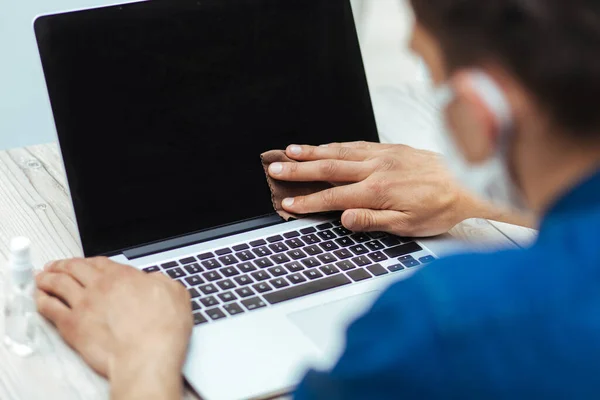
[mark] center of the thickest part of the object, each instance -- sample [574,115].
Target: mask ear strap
[493,98]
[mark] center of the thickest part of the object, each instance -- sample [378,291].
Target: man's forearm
[482,209]
[145,377]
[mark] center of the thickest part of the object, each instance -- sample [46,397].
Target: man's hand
[391,188]
[131,327]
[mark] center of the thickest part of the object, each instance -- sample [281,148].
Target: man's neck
[557,168]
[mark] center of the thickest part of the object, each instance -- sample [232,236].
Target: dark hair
[551,46]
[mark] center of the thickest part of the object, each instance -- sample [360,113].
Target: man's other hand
[381,187]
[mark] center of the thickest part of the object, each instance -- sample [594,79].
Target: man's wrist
[472,207]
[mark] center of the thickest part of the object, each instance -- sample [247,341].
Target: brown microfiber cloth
[281,189]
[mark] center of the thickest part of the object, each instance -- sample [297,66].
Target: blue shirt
[508,325]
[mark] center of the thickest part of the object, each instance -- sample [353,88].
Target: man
[515,324]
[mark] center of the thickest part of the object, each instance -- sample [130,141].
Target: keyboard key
[262,251]
[208,289]
[215,314]
[396,268]
[260,275]
[253,303]
[375,245]
[263,263]
[279,283]
[229,271]
[377,256]
[294,266]
[324,226]
[274,239]
[241,247]
[246,267]
[228,259]
[193,293]
[359,249]
[402,250]
[278,247]
[326,258]
[296,278]
[233,308]
[193,268]
[378,235]
[292,234]
[359,275]
[209,301]
[361,261]
[329,246]
[306,231]
[205,256]
[310,239]
[262,287]
[411,263]
[345,265]
[171,264]
[307,289]
[377,269]
[243,280]
[390,241]
[405,258]
[345,242]
[329,269]
[342,254]
[337,223]
[244,292]
[427,259]
[194,280]
[188,260]
[227,297]
[312,250]
[222,252]
[311,262]
[245,255]
[327,235]
[278,271]
[280,258]
[212,276]
[226,284]
[341,231]
[259,242]
[313,274]
[296,254]
[151,269]
[211,264]
[294,243]
[360,237]
[196,306]
[199,319]
[176,273]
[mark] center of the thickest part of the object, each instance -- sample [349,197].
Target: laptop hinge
[204,236]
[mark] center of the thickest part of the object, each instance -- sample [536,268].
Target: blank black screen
[163,107]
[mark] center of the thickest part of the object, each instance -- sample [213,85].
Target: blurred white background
[25,115]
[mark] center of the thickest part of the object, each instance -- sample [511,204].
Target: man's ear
[476,116]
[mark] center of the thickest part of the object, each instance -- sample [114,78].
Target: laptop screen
[162,108]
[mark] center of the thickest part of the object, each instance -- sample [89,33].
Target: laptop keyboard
[253,275]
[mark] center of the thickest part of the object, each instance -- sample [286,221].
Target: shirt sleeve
[390,351]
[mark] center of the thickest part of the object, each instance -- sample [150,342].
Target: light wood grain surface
[34,202]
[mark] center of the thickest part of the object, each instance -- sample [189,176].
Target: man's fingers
[334,199]
[364,220]
[52,308]
[60,285]
[78,268]
[321,171]
[313,153]
[360,145]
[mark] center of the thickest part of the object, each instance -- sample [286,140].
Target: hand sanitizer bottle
[19,306]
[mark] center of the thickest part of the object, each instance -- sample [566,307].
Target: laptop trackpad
[325,325]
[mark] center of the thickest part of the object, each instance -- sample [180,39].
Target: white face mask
[491,179]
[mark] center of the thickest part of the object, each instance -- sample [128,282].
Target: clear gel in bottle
[19,307]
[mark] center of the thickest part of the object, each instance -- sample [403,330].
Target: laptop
[162,109]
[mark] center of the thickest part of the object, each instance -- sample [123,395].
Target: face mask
[491,179]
